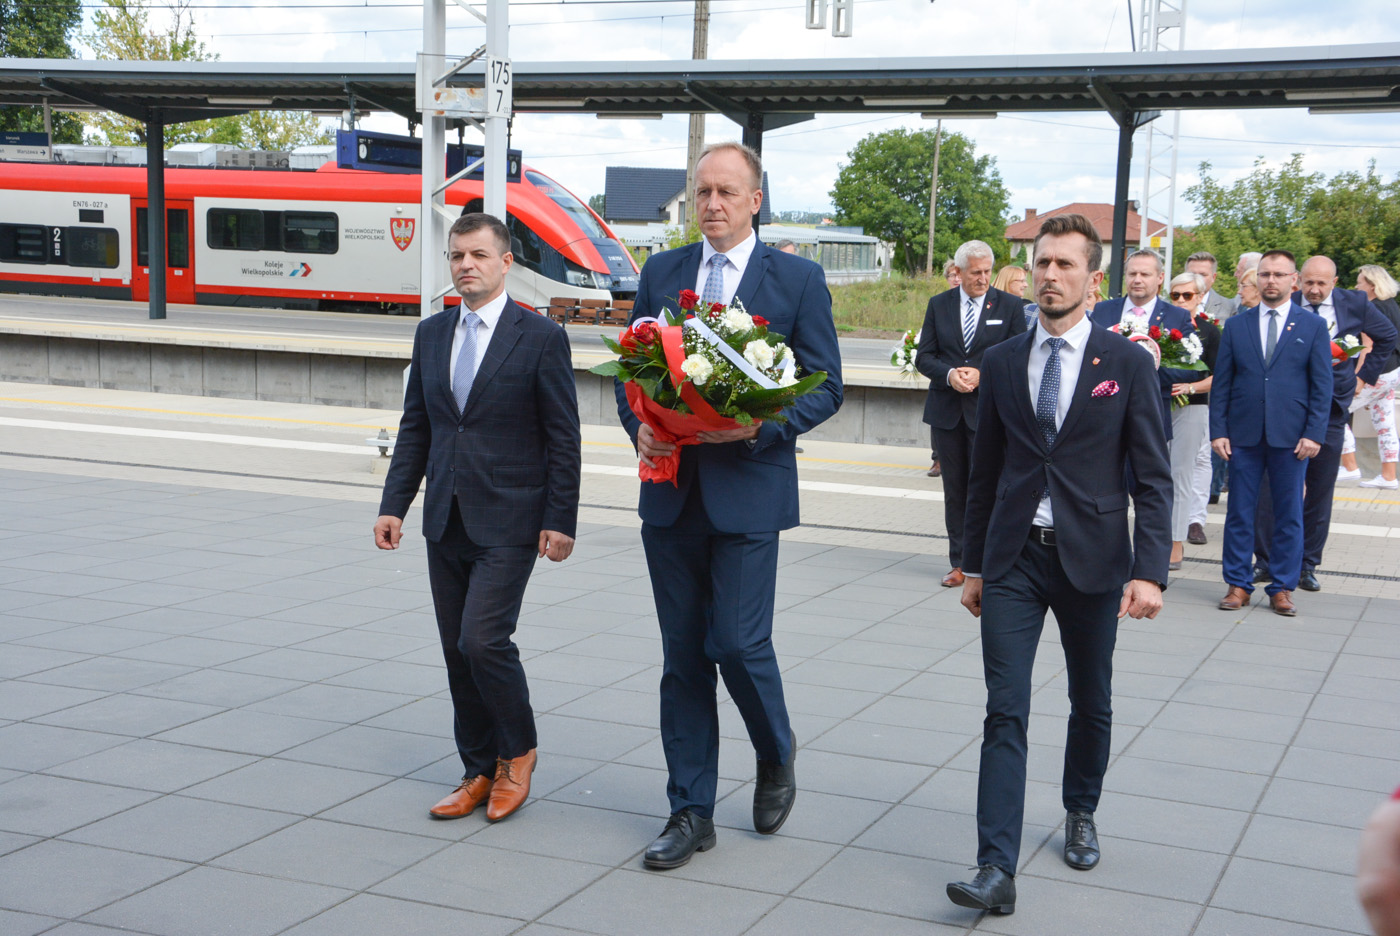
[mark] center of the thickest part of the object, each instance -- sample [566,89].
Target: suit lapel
[437,350]
[753,274]
[503,338]
[690,272]
[1021,385]
[1251,316]
[1295,314]
[1091,364]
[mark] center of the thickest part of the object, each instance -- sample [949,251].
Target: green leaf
[611,369]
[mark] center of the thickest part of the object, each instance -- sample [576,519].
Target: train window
[310,232]
[272,230]
[574,208]
[23,243]
[234,229]
[177,237]
[93,247]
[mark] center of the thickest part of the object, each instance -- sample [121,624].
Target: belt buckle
[1045,536]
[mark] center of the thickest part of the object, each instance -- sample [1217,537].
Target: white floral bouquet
[712,367]
[904,353]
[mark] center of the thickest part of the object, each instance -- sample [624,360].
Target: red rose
[627,341]
[760,322]
[1154,332]
[646,332]
[717,307]
[1338,352]
[688,299]
[1176,334]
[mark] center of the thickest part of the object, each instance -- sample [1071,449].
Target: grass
[892,304]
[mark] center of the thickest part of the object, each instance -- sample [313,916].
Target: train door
[179,253]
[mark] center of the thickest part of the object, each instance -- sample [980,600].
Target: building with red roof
[1021,235]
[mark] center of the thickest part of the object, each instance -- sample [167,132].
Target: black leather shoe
[774,792]
[1308,581]
[993,889]
[1081,841]
[686,833]
[1262,573]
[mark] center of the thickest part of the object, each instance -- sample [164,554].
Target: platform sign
[25,147]
[387,152]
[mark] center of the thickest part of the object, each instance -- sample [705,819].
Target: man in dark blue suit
[712,538]
[1064,409]
[1347,313]
[1143,275]
[959,326]
[490,417]
[1268,416]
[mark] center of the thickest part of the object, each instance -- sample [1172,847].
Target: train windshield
[574,208]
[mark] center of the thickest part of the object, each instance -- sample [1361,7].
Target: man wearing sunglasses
[1143,275]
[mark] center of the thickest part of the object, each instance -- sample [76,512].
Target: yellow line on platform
[176,412]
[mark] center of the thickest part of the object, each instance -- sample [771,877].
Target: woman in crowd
[1190,444]
[1012,279]
[1249,288]
[1378,399]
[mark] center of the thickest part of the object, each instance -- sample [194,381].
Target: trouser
[477,592]
[1320,483]
[1259,475]
[714,599]
[933,443]
[1190,427]
[1013,615]
[955,446]
[1379,402]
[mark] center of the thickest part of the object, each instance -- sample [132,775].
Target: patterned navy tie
[466,362]
[714,283]
[1049,399]
[969,323]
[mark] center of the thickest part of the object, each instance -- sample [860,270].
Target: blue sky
[1045,160]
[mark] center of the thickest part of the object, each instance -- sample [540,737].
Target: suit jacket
[941,350]
[1084,469]
[747,489]
[512,458]
[1218,307]
[1276,402]
[1110,312]
[1356,316]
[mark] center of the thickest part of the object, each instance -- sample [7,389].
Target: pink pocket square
[1107,388]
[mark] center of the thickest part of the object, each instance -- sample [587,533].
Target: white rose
[735,320]
[759,353]
[697,368]
[787,379]
[781,352]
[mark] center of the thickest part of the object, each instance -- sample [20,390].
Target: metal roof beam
[376,97]
[96,98]
[739,113]
[1117,108]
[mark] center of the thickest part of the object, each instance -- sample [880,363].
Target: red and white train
[331,240]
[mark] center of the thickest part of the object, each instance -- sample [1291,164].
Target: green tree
[1355,220]
[1266,210]
[884,189]
[596,202]
[123,31]
[39,30]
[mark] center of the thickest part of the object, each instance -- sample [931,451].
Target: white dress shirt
[1264,322]
[489,314]
[963,297]
[1129,305]
[738,261]
[1327,311]
[1071,359]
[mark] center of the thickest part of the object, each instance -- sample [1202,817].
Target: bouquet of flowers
[902,357]
[710,368]
[1345,348]
[1168,346]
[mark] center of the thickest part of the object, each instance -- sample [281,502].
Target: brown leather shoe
[954,578]
[461,801]
[1282,603]
[512,785]
[1234,599]
[1196,534]
[934,470]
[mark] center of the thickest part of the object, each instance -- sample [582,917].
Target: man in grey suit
[1203,264]
[490,417]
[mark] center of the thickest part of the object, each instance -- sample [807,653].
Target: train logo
[401,229]
[301,269]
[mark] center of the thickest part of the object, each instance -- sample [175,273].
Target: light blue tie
[465,372]
[714,283]
[1049,399]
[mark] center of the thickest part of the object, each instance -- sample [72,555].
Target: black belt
[1045,536]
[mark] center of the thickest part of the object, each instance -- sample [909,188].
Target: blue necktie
[969,323]
[1049,399]
[714,283]
[466,362]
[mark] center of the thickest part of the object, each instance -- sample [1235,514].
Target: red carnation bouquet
[709,368]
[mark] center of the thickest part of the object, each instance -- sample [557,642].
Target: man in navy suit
[1268,416]
[712,538]
[491,419]
[1143,275]
[1346,312]
[959,325]
[1064,409]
